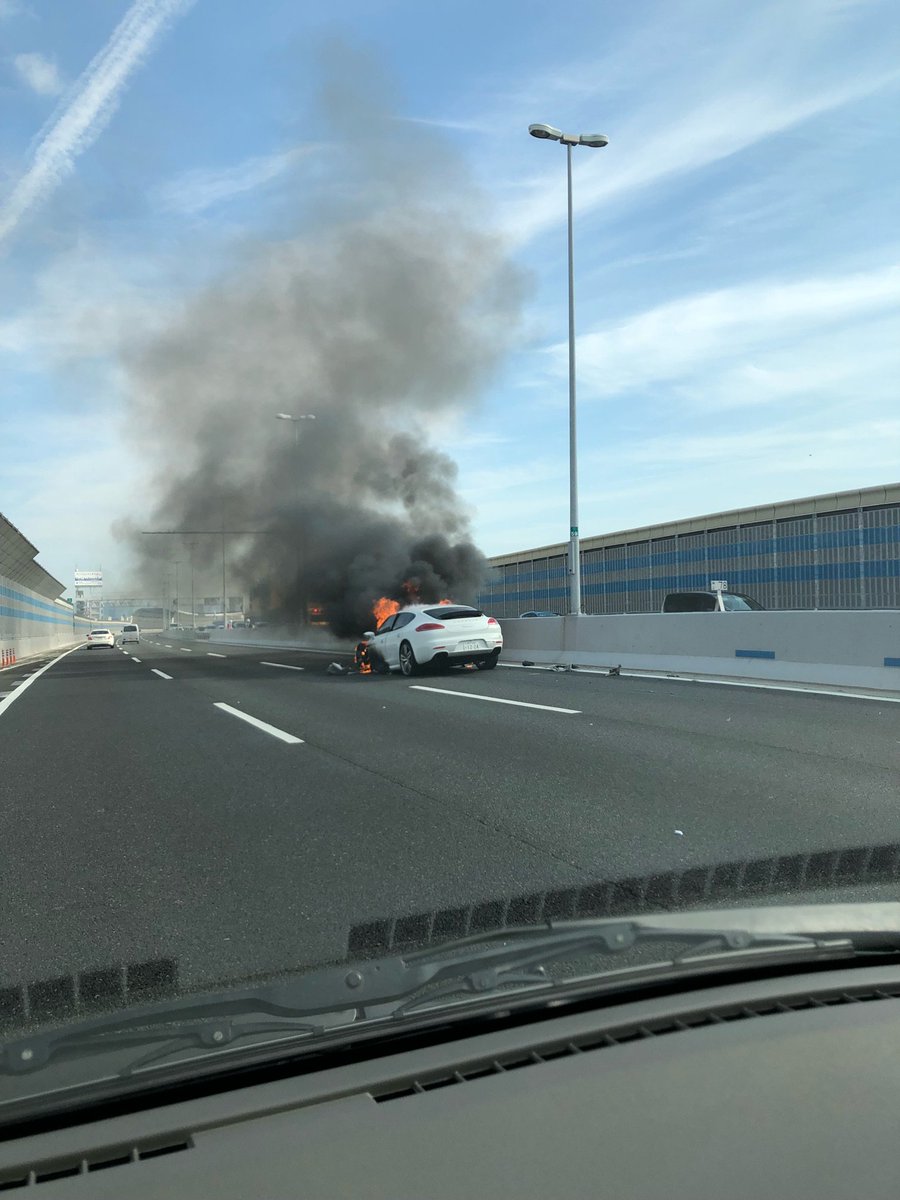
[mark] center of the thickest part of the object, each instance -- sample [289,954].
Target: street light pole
[574,536]
[295,420]
[569,140]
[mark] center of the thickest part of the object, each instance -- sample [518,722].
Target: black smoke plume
[384,311]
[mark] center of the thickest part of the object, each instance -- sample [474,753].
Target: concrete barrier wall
[32,624]
[844,649]
[280,638]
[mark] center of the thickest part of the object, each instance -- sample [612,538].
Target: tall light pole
[569,140]
[296,423]
[193,607]
[177,562]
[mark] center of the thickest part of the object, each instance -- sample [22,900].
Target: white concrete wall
[276,637]
[844,649]
[32,624]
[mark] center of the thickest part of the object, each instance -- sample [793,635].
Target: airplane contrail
[88,106]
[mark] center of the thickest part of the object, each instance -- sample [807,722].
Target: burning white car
[435,635]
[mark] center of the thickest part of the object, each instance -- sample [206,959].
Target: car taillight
[493,621]
[428,625]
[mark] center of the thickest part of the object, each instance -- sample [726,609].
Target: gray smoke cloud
[383,311]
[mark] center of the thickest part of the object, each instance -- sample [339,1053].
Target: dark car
[692,602]
[538,613]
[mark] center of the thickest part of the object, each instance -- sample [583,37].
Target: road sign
[86,579]
[718,585]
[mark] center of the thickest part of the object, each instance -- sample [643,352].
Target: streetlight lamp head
[594,139]
[545,131]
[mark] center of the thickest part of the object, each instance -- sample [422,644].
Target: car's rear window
[129,628]
[93,631]
[450,612]
[690,602]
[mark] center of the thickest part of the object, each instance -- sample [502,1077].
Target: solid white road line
[266,728]
[161,674]
[212,654]
[133,659]
[284,666]
[417,687]
[26,683]
[766,685]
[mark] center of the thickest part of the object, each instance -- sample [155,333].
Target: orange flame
[384,608]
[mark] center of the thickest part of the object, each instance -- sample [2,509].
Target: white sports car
[436,635]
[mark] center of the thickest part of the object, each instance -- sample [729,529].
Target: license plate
[471,646]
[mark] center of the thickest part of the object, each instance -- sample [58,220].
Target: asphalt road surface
[239,810]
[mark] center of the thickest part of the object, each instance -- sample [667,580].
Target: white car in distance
[435,635]
[100,637]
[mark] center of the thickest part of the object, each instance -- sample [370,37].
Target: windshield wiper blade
[381,989]
[525,954]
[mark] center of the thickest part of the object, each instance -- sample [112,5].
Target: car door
[380,643]
[396,637]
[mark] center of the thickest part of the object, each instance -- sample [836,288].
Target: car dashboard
[787,1086]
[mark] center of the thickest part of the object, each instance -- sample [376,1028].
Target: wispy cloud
[725,329]
[705,133]
[776,451]
[41,74]
[459,126]
[197,190]
[91,104]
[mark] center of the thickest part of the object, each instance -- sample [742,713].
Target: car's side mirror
[368,634]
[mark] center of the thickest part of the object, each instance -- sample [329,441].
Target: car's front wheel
[408,664]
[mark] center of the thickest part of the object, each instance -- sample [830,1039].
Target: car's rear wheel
[408,664]
[487,664]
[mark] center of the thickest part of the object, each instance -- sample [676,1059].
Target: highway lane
[139,819]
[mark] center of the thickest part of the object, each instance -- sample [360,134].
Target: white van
[131,633]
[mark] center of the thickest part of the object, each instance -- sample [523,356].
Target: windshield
[294,352]
[734,603]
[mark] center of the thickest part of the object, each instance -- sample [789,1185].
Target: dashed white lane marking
[212,654]
[168,645]
[284,666]
[133,659]
[417,687]
[185,649]
[161,674]
[26,683]
[263,725]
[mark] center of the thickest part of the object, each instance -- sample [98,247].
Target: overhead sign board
[86,579]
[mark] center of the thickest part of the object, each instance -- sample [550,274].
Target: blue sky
[737,243]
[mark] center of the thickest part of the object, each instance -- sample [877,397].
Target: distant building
[836,551]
